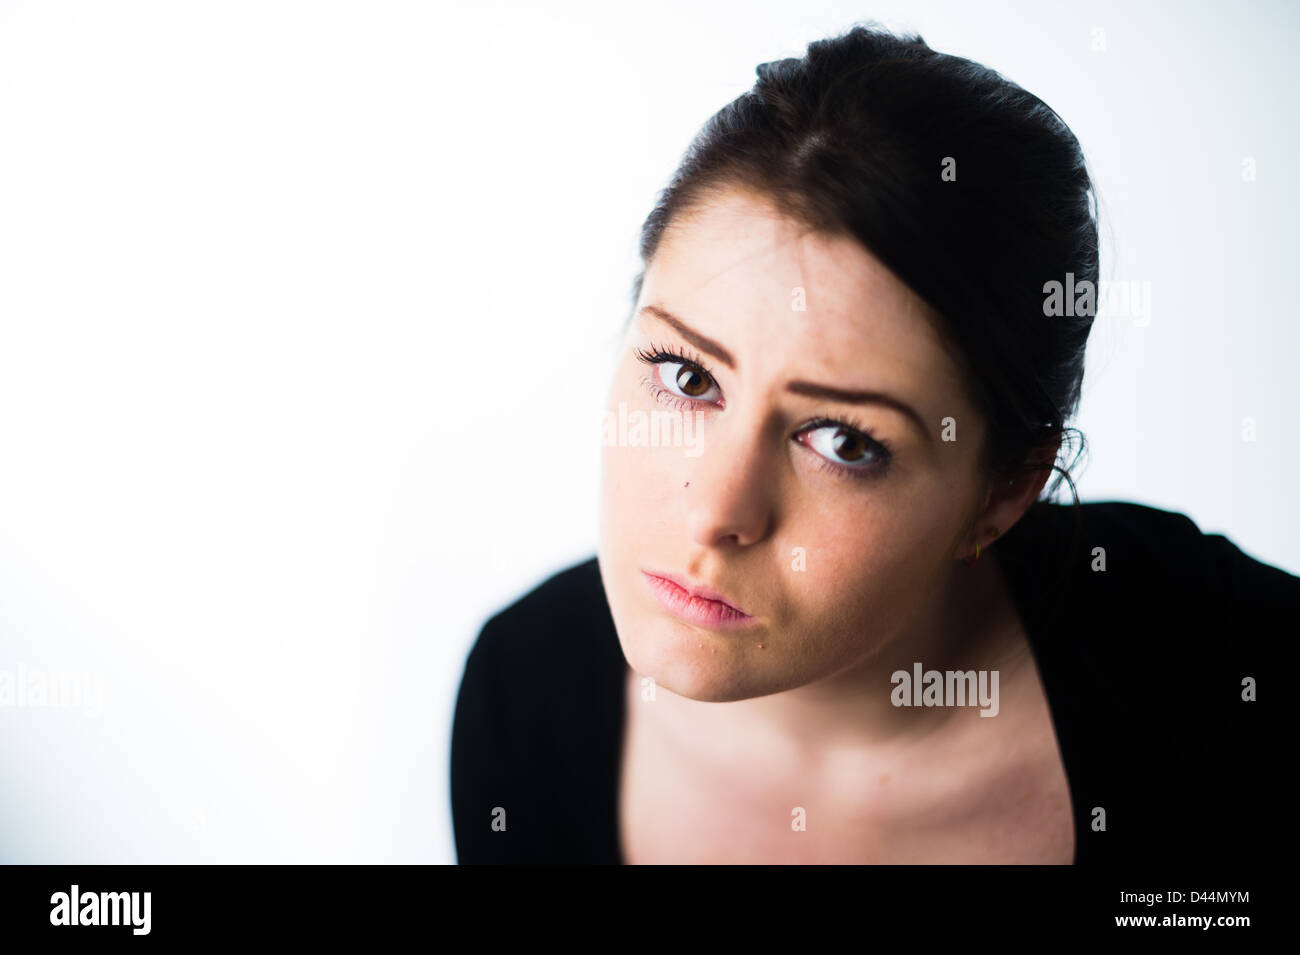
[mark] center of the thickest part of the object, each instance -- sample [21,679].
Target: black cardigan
[1142,665]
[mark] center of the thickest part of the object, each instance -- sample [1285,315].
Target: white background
[306,315]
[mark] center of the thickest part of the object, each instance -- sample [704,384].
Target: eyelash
[882,449]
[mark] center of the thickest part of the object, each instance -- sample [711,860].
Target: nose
[729,498]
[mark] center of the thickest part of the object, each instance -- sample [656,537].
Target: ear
[1006,501]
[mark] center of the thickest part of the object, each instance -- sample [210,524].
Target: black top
[1142,664]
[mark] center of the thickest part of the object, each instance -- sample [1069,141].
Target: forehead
[739,270]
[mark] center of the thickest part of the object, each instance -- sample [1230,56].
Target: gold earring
[972,561]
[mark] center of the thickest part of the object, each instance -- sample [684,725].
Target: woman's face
[772,487]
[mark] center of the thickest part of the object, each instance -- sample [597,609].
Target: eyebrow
[806,388]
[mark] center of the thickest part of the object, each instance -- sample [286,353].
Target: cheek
[637,503]
[639,526]
[852,584]
[870,574]
[638,477]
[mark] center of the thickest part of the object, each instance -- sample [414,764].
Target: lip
[694,603]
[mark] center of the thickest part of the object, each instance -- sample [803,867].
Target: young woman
[834,617]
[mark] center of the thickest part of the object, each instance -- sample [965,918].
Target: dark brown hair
[851,139]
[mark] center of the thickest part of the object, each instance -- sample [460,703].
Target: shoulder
[561,623]
[1156,637]
[1146,598]
[534,655]
[535,725]
[1166,558]
[1159,548]
[1127,522]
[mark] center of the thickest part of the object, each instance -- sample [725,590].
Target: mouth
[698,605]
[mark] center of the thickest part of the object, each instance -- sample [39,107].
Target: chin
[698,664]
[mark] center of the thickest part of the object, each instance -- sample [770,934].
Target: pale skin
[796,711]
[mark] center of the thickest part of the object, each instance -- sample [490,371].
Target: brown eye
[686,381]
[691,382]
[848,445]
